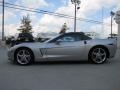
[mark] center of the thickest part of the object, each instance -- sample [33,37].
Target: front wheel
[24,56]
[98,55]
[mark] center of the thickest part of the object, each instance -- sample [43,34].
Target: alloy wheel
[23,57]
[98,55]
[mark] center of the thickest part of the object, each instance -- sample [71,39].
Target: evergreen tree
[63,29]
[25,25]
[25,29]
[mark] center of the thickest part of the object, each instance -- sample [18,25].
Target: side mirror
[58,42]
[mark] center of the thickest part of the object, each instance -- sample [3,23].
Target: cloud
[32,3]
[91,6]
[48,23]
[87,8]
[105,31]
[11,29]
[53,23]
[8,15]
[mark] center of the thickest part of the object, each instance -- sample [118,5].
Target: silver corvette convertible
[68,46]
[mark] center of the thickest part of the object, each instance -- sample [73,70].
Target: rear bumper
[112,50]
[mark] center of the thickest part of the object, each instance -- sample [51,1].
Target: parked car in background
[68,46]
[22,38]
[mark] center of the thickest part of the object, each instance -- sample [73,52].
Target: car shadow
[54,63]
[61,62]
[81,62]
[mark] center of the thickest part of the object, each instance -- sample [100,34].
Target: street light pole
[112,14]
[3,21]
[111,26]
[75,2]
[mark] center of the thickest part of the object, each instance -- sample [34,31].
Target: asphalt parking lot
[60,75]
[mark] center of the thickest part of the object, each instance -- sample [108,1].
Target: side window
[67,39]
[70,38]
[84,37]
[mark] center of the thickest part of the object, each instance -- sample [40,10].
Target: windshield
[51,38]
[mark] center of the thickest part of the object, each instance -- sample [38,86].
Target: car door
[66,47]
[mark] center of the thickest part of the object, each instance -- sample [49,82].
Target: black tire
[98,55]
[23,56]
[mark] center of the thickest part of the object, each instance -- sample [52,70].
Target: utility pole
[112,14]
[75,19]
[76,3]
[3,20]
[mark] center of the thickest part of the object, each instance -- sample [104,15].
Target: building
[113,35]
[46,35]
[43,36]
[93,35]
[53,34]
[117,19]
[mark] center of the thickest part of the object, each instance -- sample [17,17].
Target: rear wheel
[98,55]
[24,56]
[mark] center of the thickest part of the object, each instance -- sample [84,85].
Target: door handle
[85,42]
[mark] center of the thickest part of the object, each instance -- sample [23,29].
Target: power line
[59,14]
[48,12]
[34,11]
[13,6]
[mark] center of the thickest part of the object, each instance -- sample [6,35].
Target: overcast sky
[89,9]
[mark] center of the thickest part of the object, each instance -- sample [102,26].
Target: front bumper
[11,55]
